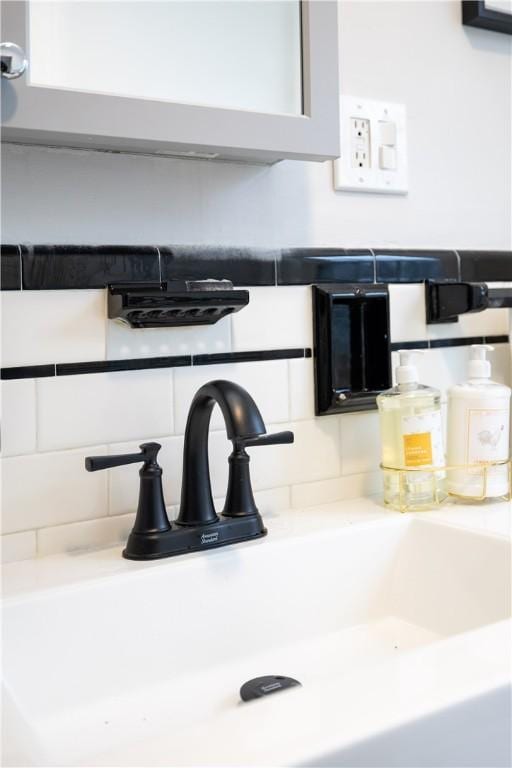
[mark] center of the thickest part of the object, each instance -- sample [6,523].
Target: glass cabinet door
[236,54]
[253,80]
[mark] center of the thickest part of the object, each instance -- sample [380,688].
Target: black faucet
[198,526]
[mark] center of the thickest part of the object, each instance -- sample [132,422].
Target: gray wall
[456,83]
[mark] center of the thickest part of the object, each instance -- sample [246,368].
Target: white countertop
[29,576]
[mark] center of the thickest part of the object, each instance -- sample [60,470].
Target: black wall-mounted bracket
[174,303]
[446,301]
[352,346]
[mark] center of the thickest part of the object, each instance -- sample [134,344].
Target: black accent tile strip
[10,263]
[396,345]
[496,339]
[56,267]
[248,357]
[149,363]
[414,266]
[485,266]
[114,366]
[243,266]
[27,372]
[299,266]
[463,341]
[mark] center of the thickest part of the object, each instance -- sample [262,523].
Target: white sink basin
[396,628]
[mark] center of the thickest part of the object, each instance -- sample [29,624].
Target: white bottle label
[487,435]
[422,440]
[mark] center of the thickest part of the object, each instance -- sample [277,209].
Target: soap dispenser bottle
[412,440]
[479,431]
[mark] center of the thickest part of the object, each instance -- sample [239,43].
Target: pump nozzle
[479,365]
[406,372]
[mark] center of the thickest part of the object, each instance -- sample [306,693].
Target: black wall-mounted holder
[174,303]
[352,346]
[446,301]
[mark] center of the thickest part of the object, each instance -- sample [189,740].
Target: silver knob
[12,60]
[341,398]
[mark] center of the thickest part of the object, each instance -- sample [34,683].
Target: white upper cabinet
[241,79]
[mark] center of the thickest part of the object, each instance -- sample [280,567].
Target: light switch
[387,158]
[387,133]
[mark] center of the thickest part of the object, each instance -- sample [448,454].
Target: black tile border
[59,267]
[10,263]
[115,366]
[149,363]
[460,341]
[183,361]
[27,372]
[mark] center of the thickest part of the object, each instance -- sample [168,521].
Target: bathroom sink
[396,628]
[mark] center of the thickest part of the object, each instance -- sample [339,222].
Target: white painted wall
[456,83]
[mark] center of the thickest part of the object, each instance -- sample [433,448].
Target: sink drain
[264,686]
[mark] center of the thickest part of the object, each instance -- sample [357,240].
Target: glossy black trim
[27,372]
[299,266]
[149,363]
[476,14]
[113,366]
[486,266]
[460,341]
[414,266]
[396,345]
[249,357]
[10,263]
[57,267]
[243,266]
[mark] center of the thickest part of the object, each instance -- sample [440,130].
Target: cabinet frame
[66,118]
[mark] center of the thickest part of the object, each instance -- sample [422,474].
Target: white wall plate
[373,147]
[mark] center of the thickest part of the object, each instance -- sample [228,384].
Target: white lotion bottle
[478,431]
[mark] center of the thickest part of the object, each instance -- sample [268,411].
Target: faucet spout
[242,419]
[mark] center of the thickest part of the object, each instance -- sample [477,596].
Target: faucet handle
[148,454]
[277,438]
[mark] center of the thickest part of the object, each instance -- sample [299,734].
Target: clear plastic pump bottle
[412,439]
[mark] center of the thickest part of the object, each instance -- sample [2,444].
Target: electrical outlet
[360,142]
[373,147]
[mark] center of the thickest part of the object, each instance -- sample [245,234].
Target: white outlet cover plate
[372,179]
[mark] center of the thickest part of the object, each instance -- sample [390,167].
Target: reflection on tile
[412,266]
[300,266]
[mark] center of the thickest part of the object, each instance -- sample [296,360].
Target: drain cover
[264,686]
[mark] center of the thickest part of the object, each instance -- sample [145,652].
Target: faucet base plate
[181,540]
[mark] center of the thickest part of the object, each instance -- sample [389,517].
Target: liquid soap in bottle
[412,440]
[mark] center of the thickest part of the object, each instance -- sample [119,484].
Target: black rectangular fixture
[174,303]
[446,301]
[352,346]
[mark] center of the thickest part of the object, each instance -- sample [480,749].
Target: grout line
[159,263]
[459,269]
[374,264]
[21,265]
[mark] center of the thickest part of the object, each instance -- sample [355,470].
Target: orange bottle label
[418,449]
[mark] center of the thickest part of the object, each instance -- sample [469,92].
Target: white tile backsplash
[125,342]
[360,442]
[18,417]
[51,488]
[302,389]
[52,327]
[18,546]
[76,537]
[274,319]
[51,504]
[103,408]
[407,312]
